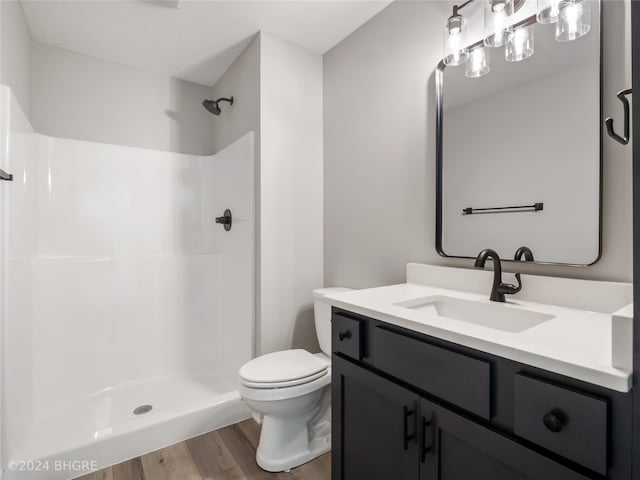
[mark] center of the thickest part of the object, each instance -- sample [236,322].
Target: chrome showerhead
[213,107]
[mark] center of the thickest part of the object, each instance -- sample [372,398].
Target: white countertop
[575,343]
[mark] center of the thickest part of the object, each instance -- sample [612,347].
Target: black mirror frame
[439,82]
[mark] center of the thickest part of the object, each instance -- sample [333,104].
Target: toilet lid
[282,367]
[288,383]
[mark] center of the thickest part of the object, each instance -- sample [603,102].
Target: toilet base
[288,442]
[286,445]
[284,465]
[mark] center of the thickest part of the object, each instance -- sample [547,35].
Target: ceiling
[190,39]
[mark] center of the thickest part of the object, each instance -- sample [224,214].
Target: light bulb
[573,20]
[573,12]
[496,22]
[520,37]
[500,23]
[519,45]
[455,51]
[478,63]
[455,42]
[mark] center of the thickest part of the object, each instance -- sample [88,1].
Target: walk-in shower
[126,311]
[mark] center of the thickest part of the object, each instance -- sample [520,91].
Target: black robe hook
[624,140]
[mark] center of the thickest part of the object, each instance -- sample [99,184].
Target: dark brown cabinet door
[455,448]
[374,426]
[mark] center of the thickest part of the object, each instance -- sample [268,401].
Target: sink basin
[496,316]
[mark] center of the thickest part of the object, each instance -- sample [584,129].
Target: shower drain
[142,409]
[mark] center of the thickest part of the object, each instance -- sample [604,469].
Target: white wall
[277,90]
[291,193]
[379,140]
[84,98]
[17,248]
[15,52]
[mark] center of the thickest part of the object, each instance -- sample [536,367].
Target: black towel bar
[521,208]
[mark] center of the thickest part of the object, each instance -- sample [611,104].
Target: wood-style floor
[226,454]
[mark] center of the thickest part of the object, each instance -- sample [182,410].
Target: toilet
[291,390]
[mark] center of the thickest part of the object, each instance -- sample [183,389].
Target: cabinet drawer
[569,423]
[458,448]
[463,381]
[346,336]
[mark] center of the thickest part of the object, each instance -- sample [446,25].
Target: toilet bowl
[291,390]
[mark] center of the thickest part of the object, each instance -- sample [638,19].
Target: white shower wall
[116,279]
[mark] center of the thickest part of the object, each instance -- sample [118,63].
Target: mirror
[527,134]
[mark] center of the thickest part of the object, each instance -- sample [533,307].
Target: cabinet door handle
[424,448]
[555,420]
[343,335]
[406,413]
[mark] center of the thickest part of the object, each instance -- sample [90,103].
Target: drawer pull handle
[554,421]
[424,448]
[343,335]
[406,413]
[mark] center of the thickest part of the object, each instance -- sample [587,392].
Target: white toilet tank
[322,313]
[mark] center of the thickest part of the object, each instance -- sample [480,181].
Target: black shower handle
[226,220]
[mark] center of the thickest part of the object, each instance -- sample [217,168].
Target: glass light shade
[574,20]
[497,22]
[455,50]
[548,11]
[478,63]
[519,45]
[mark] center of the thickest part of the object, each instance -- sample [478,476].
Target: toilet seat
[285,384]
[283,369]
[274,394]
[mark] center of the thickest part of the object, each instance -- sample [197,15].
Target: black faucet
[499,289]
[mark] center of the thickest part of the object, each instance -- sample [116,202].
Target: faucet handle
[524,252]
[510,289]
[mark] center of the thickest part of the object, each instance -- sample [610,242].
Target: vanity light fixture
[478,63]
[574,20]
[455,50]
[519,45]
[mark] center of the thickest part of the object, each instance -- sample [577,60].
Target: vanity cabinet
[409,406]
[378,426]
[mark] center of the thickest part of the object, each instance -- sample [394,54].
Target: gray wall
[291,206]
[379,143]
[15,52]
[242,82]
[84,98]
[277,90]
